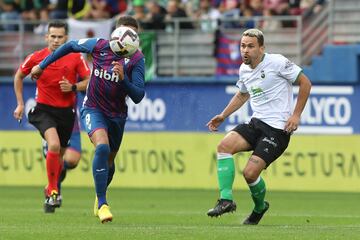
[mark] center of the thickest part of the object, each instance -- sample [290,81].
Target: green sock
[226,175]
[258,191]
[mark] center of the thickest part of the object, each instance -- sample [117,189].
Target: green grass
[177,214]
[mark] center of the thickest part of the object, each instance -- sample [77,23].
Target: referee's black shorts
[43,117]
[267,142]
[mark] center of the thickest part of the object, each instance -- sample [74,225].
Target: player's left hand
[65,85]
[118,69]
[36,71]
[215,122]
[292,124]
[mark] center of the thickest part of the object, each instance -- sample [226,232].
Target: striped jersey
[105,91]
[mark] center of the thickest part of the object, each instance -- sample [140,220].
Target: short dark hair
[127,21]
[58,24]
[254,32]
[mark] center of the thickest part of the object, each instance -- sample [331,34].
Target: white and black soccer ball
[124,41]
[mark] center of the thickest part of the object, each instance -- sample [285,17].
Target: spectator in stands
[277,7]
[310,7]
[139,11]
[35,10]
[9,11]
[305,5]
[174,11]
[230,12]
[102,9]
[247,13]
[270,23]
[319,5]
[136,9]
[257,7]
[155,18]
[207,15]
[58,9]
[63,9]
[156,15]
[115,7]
[190,7]
[162,3]
[294,7]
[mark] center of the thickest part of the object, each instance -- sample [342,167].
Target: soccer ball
[124,41]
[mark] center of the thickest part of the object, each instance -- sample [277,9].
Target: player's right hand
[18,112]
[215,122]
[118,69]
[65,85]
[36,71]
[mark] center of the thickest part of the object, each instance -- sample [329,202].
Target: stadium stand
[344,21]
[189,53]
[193,53]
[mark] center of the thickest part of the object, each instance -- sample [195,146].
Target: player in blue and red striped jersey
[53,114]
[104,111]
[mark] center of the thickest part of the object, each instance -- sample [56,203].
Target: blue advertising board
[188,107]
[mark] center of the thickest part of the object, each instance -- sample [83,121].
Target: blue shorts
[94,119]
[75,140]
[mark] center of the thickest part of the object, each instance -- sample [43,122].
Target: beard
[247,60]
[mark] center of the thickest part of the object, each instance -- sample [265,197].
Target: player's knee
[71,158]
[72,163]
[250,175]
[224,147]
[54,147]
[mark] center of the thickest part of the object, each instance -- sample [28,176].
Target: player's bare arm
[18,87]
[66,86]
[304,92]
[235,103]
[82,85]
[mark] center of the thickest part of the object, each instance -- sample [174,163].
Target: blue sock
[100,171]
[111,174]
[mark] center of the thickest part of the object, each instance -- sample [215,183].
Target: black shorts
[267,142]
[44,117]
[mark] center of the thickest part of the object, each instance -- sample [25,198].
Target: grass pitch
[177,214]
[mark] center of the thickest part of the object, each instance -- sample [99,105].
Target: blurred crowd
[160,14]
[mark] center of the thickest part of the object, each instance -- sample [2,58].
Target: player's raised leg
[226,175]
[231,143]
